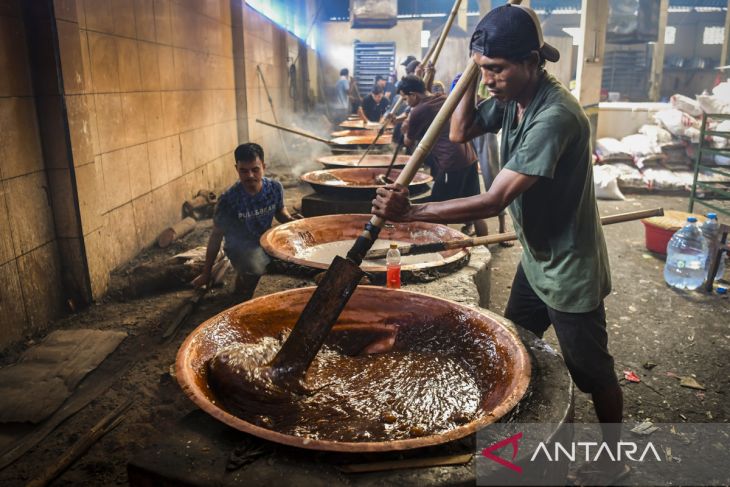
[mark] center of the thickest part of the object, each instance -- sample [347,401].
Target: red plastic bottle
[392,259]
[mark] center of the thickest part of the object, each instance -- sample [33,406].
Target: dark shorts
[450,185]
[582,336]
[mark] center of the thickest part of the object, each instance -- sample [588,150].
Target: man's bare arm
[463,126]
[214,246]
[392,202]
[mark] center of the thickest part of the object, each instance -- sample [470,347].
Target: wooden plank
[657,62]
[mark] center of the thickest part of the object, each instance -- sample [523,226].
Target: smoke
[293,155]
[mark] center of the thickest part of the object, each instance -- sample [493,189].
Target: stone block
[153,115]
[90,189]
[149,66]
[163,24]
[12,308]
[170,112]
[139,170]
[115,169]
[29,208]
[82,128]
[104,55]
[41,285]
[20,145]
[110,122]
[135,127]
[144,15]
[15,79]
[98,15]
[129,77]
[63,199]
[69,44]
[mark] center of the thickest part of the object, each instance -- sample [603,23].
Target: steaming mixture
[433,380]
[324,253]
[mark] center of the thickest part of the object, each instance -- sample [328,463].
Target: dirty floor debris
[662,335]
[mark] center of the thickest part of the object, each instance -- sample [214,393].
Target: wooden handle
[295,131]
[413,249]
[440,41]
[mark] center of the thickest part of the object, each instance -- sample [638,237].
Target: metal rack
[716,194]
[371,59]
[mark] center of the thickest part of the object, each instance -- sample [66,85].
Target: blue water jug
[686,257]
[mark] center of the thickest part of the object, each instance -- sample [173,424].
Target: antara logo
[627,448]
[512,440]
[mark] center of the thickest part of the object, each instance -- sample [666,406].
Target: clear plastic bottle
[686,257]
[711,231]
[392,260]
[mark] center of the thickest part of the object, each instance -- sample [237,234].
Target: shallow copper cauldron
[269,315]
[357,123]
[359,182]
[290,241]
[357,132]
[344,161]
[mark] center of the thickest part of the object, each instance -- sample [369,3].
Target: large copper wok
[503,364]
[371,160]
[359,182]
[358,124]
[291,241]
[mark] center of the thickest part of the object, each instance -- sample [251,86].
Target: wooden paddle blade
[317,319]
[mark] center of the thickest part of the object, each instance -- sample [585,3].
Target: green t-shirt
[557,221]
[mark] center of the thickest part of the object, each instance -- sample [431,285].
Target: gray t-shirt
[557,221]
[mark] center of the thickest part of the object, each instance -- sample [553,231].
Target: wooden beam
[461,18]
[657,62]
[593,20]
[726,40]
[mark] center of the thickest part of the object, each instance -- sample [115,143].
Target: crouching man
[243,213]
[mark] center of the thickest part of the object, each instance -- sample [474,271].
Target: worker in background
[546,179]
[373,106]
[453,165]
[342,92]
[407,61]
[243,213]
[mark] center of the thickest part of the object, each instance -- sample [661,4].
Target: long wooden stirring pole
[273,112]
[434,51]
[344,274]
[426,248]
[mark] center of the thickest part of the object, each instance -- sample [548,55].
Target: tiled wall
[30,290]
[152,116]
[145,114]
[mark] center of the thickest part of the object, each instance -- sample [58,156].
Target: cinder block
[65,10]
[121,235]
[97,258]
[147,220]
[86,62]
[129,78]
[159,166]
